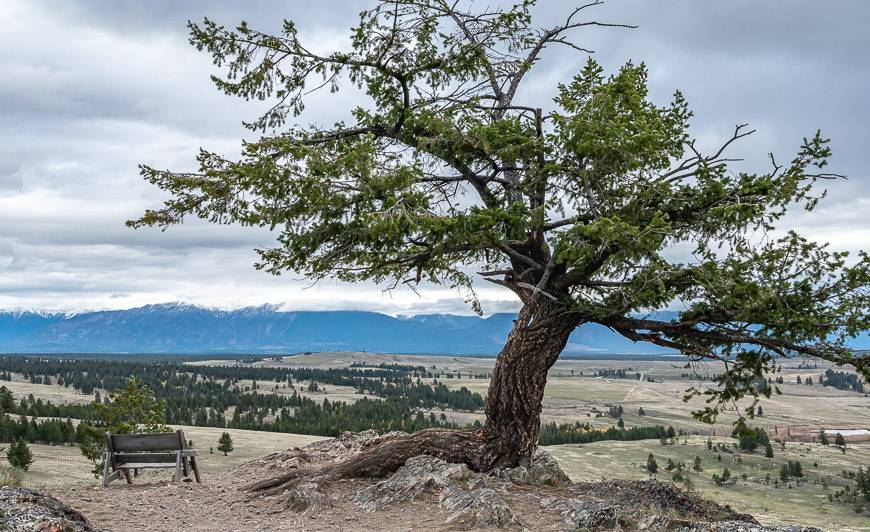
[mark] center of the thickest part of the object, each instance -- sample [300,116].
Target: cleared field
[47,392]
[804,502]
[64,465]
[569,398]
[347,394]
[572,393]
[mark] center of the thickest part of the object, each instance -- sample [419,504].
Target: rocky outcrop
[580,514]
[419,474]
[531,496]
[470,504]
[23,509]
[478,508]
[543,470]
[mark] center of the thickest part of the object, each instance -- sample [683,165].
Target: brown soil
[217,504]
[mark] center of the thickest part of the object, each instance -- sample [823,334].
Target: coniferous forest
[221,396]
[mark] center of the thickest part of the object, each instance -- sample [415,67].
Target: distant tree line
[46,431]
[558,434]
[202,395]
[199,395]
[842,380]
[612,373]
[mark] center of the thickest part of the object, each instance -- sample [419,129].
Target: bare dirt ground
[218,504]
[221,503]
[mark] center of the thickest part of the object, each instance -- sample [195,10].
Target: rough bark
[516,391]
[513,411]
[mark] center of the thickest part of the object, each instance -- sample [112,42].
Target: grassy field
[804,502]
[333,392]
[47,392]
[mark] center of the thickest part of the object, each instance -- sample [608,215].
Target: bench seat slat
[148,465]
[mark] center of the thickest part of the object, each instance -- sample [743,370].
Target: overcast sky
[91,88]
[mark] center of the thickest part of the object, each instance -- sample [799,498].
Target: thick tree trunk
[513,411]
[516,391]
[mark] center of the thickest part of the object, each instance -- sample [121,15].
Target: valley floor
[573,393]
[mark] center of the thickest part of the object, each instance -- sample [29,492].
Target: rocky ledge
[22,509]
[508,498]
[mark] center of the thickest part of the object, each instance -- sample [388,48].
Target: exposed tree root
[384,456]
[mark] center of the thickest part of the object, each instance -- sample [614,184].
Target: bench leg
[195,469]
[105,469]
[127,476]
[177,477]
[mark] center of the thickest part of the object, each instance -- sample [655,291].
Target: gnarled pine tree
[444,177]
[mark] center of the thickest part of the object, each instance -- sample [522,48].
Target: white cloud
[93,88]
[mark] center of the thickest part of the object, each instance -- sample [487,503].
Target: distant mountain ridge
[188,329]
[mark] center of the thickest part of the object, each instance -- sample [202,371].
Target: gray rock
[662,522]
[743,526]
[482,507]
[542,470]
[465,495]
[581,514]
[304,496]
[25,509]
[419,474]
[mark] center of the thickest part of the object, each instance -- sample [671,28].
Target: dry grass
[47,392]
[10,476]
[804,503]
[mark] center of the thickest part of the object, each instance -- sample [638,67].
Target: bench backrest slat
[146,442]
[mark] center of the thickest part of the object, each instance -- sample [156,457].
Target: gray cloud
[92,88]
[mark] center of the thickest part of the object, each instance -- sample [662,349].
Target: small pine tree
[760,412]
[697,465]
[211,450]
[795,469]
[840,442]
[671,465]
[19,455]
[725,477]
[823,437]
[640,412]
[768,450]
[620,423]
[225,443]
[709,444]
[651,465]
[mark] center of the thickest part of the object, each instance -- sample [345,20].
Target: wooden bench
[164,450]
